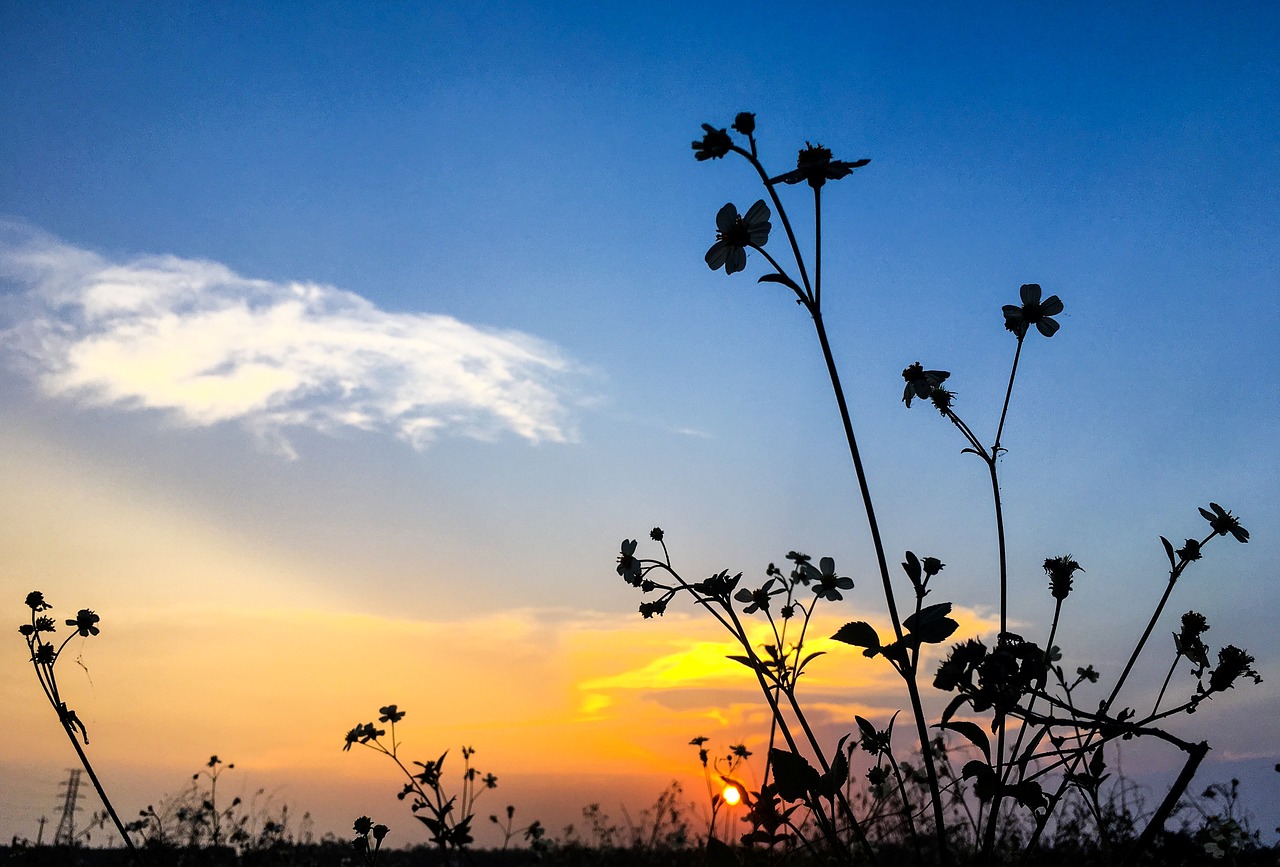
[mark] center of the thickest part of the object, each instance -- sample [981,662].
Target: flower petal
[1051,306]
[725,217]
[1030,293]
[757,213]
[717,254]
[737,260]
[1047,326]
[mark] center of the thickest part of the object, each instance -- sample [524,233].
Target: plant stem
[102,795]
[917,709]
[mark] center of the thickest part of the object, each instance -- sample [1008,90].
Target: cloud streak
[205,345]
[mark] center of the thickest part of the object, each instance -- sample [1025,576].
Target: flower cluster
[922,383]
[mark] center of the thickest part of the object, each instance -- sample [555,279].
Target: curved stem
[782,215]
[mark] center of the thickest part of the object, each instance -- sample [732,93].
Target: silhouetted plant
[366,830]
[447,817]
[1049,746]
[44,658]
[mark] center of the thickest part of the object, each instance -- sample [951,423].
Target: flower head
[745,122]
[1032,312]
[363,825]
[921,383]
[714,144]
[1060,570]
[35,601]
[1187,641]
[656,534]
[84,622]
[815,165]
[759,598]
[390,714]
[1233,663]
[629,567]
[827,584]
[734,234]
[1223,522]
[1190,551]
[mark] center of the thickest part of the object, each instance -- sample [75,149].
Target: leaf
[808,659]
[747,661]
[931,625]
[793,774]
[830,782]
[1168,549]
[1029,794]
[868,730]
[973,732]
[984,779]
[780,278]
[859,633]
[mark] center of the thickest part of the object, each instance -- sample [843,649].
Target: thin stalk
[917,708]
[102,795]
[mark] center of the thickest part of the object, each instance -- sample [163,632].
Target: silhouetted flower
[390,714]
[648,609]
[1060,570]
[490,781]
[45,655]
[1190,551]
[942,399]
[1033,312]
[734,234]
[787,611]
[828,585]
[1088,673]
[84,622]
[932,566]
[815,165]
[35,601]
[718,586]
[1187,641]
[45,624]
[363,825]
[745,122]
[758,598]
[353,736]
[656,534]
[1233,663]
[380,831]
[714,144]
[27,629]
[628,566]
[1223,522]
[921,382]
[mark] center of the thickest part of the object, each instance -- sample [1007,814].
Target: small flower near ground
[1223,522]
[1032,312]
[735,233]
[1060,570]
[84,622]
[921,383]
[714,144]
[815,165]
[363,825]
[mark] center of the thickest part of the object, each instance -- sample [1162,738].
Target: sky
[343,344]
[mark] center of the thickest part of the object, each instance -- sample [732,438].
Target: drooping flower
[1032,312]
[629,566]
[921,382]
[734,234]
[1187,641]
[815,165]
[1223,522]
[84,622]
[714,144]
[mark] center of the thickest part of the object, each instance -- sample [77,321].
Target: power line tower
[66,833]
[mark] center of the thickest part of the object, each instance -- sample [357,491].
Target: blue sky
[401,313]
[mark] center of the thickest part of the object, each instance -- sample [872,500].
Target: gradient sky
[342,343]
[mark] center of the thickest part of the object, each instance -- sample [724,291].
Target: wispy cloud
[206,345]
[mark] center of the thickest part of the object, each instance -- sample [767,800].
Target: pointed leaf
[859,633]
[973,732]
[780,278]
[793,774]
[1168,549]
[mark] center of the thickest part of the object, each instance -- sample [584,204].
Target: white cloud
[205,345]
